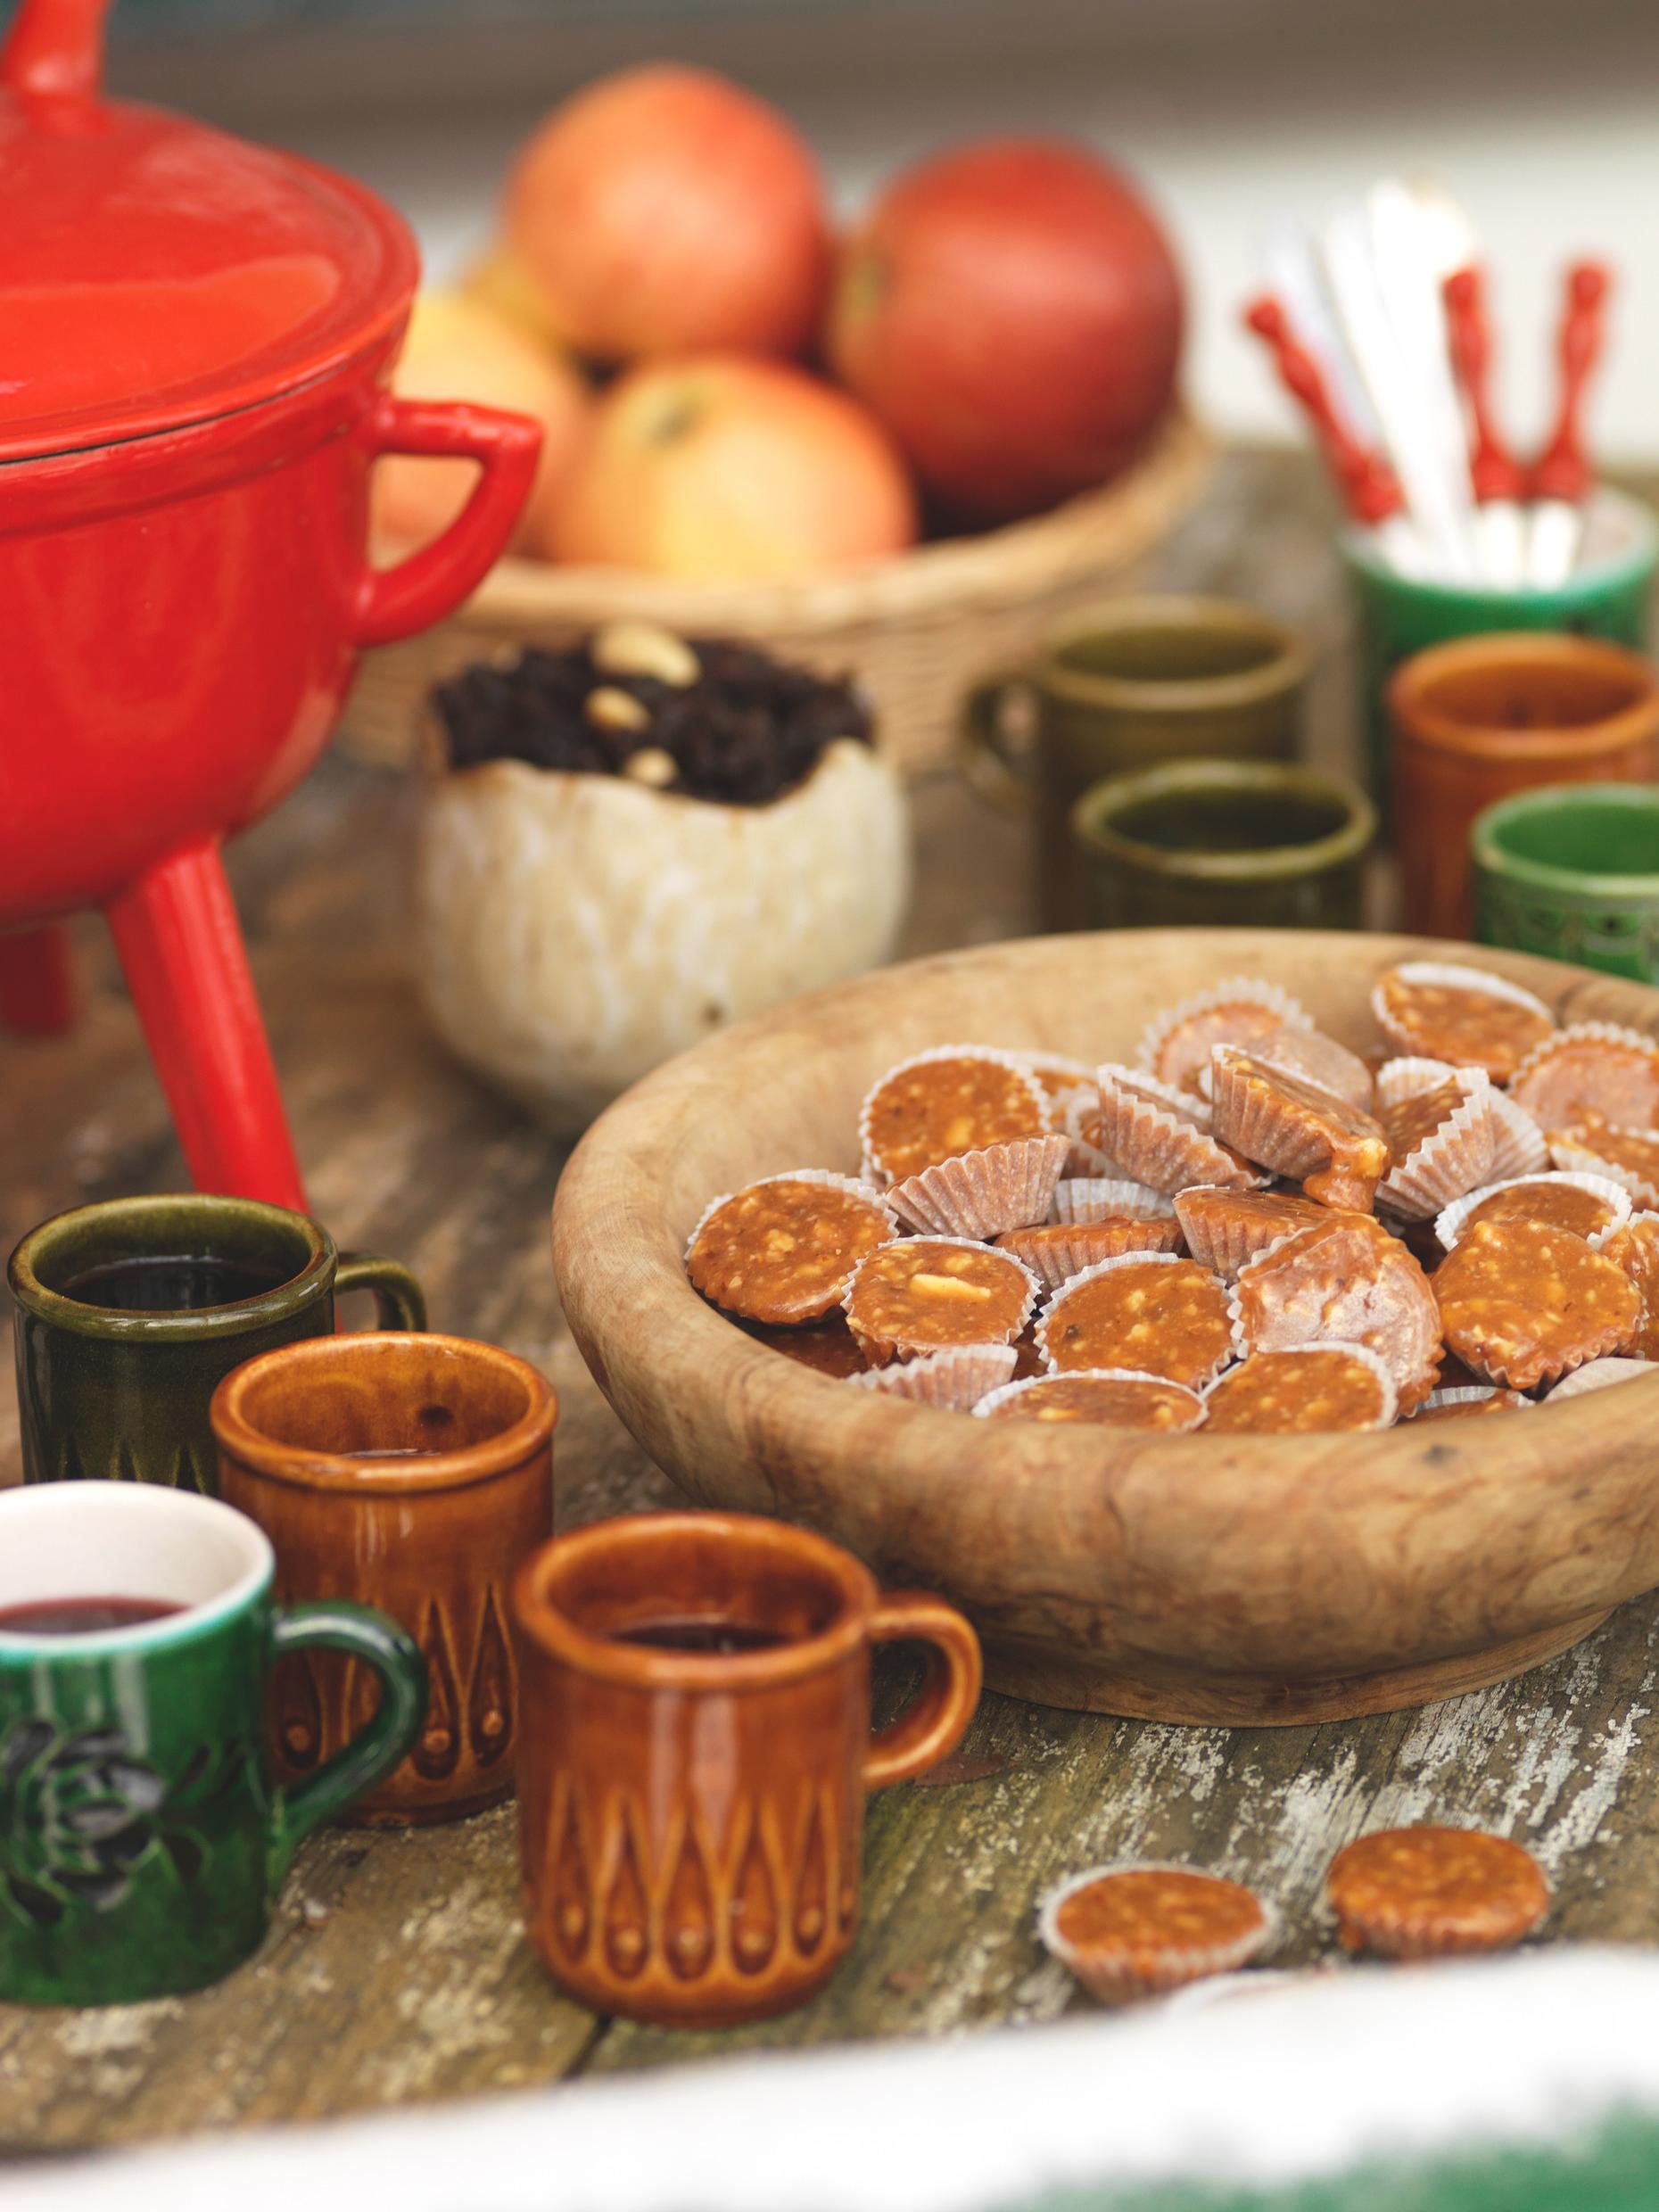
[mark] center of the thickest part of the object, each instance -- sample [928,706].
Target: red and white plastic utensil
[1368,487]
[1562,477]
[1498,481]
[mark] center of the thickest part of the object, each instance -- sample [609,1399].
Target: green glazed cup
[141,1842]
[1223,844]
[1572,871]
[1144,682]
[1610,597]
[121,1391]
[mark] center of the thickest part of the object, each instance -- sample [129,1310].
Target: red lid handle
[1563,470]
[55,49]
[1369,487]
[1494,471]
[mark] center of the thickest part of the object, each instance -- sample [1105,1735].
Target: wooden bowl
[1239,1580]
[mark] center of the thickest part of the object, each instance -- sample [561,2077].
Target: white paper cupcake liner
[981,1193]
[1448,1223]
[1233,991]
[1583,1160]
[1466,1393]
[879,1350]
[1261,1128]
[1408,1381]
[1599,1375]
[1455,1158]
[1411,1074]
[1374,1362]
[1579,1032]
[1123,1981]
[992,1399]
[1081,1198]
[1518,1146]
[1168,1144]
[1224,1246]
[1055,1259]
[1090,1274]
[828,1180]
[1012,1061]
[1452,977]
[954,1378]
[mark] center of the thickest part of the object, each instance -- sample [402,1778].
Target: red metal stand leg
[181,945]
[38,993]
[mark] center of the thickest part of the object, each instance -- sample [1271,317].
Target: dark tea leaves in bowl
[723,723]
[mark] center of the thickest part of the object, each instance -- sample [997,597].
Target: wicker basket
[917,630]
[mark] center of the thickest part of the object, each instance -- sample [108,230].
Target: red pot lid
[155,273]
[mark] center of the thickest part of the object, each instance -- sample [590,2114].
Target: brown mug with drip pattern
[696,1751]
[413,1473]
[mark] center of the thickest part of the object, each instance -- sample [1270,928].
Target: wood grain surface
[397,1972]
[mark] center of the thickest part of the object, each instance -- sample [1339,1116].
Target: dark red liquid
[169,1282]
[706,1633]
[81,1616]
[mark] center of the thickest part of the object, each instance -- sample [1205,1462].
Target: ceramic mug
[1147,682]
[414,1474]
[129,1312]
[142,1841]
[1222,844]
[1572,872]
[1608,595]
[696,1753]
[1480,719]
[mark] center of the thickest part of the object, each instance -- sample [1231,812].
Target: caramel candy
[1156,1315]
[1635,1248]
[1427,1893]
[1319,1060]
[1134,1931]
[1460,1014]
[960,1098]
[1162,1137]
[1586,1206]
[1243,1011]
[929,1292]
[1303,1388]
[1345,1280]
[1113,1396]
[1592,1071]
[1628,1157]
[783,1250]
[1337,1152]
[1522,1303]
[1062,1249]
[1224,1228]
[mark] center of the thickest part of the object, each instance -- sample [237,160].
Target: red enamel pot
[197,338]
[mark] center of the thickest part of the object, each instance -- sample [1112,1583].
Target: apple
[458,348]
[665,211]
[1012,312]
[734,468]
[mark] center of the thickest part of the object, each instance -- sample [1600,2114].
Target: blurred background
[1230,111]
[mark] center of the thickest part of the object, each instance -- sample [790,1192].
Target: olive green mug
[130,1314]
[1143,682]
[1223,844]
[1572,871]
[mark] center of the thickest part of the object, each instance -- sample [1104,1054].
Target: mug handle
[393,603]
[985,764]
[399,1302]
[382,1740]
[939,1718]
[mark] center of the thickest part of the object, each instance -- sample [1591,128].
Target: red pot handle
[394,603]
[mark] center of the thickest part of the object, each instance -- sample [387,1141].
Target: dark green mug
[130,1314]
[1144,682]
[1572,871]
[1223,844]
[142,1840]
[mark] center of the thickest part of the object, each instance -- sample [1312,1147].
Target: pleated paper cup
[982,1193]
[1079,1199]
[1289,1013]
[1226,1245]
[1449,1224]
[1518,1146]
[1117,1976]
[1058,1251]
[1446,975]
[1375,1364]
[1470,1394]
[1164,1139]
[1575,1159]
[867,1151]
[879,1350]
[954,1378]
[1599,1375]
[826,1179]
[1262,1127]
[1455,1158]
[1008,1394]
[1087,1161]
[1583,1033]
[1057,1300]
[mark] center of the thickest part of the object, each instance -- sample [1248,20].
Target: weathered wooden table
[396,1971]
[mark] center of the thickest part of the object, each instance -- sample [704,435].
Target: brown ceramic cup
[413,1473]
[692,1818]
[1481,718]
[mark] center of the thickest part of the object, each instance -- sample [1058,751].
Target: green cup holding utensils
[131,1312]
[142,1841]
[1572,871]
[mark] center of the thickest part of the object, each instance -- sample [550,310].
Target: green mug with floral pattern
[142,1841]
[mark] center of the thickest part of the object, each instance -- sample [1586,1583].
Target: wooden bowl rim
[630,1262]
